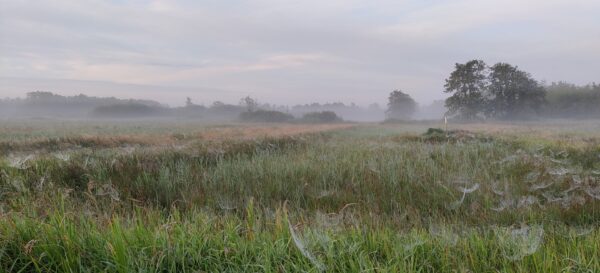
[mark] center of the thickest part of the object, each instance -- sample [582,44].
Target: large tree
[400,105]
[467,84]
[512,93]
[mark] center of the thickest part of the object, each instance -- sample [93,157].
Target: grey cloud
[296,51]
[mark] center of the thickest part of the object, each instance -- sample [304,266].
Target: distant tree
[467,84]
[565,100]
[188,102]
[374,107]
[400,105]
[42,95]
[250,103]
[512,93]
[435,110]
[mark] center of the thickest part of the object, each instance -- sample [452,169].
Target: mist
[144,59]
[299,136]
[282,52]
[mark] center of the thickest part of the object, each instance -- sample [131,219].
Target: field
[186,197]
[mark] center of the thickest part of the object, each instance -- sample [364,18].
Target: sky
[286,52]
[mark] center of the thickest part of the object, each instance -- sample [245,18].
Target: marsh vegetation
[123,197]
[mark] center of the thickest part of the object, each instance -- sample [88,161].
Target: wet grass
[382,198]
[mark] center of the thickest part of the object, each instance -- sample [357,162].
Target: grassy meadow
[186,197]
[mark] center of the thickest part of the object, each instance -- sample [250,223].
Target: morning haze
[286,52]
[299,136]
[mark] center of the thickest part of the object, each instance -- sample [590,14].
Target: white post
[445,123]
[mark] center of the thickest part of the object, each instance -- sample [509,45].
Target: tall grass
[358,199]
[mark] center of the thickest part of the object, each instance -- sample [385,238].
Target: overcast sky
[286,52]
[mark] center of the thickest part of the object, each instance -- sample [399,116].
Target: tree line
[476,91]
[502,92]
[40,104]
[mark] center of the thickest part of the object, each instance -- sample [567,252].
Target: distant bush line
[556,100]
[276,116]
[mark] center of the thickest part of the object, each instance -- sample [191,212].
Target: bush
[321,117]
[265,116]
[436,135]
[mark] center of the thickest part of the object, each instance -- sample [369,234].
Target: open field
[185,197]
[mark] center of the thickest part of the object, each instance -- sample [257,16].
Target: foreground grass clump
[152,241]
[155,241]
[383,198]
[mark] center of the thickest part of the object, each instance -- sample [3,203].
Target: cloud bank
[289,51]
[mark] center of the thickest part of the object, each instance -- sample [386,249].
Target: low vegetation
[322,198]
[321,117]
[265,116]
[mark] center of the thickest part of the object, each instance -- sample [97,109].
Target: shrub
[265,116]
[321,117]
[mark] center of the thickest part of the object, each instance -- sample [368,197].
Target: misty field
[185,197]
